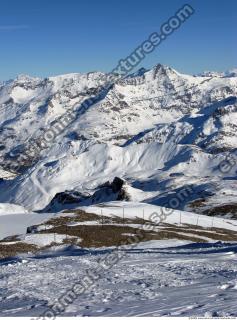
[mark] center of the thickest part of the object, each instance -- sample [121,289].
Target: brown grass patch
[222,210]
[112,231]
[11,250]
[197,203]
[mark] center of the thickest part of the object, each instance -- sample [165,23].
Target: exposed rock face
[67,197]
[110,191]
[123,195]
[64,199]
[113,191]
[117,184]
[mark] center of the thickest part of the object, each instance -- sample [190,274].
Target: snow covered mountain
[228,73]
[159,130]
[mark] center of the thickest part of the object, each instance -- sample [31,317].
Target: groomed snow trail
[156,278]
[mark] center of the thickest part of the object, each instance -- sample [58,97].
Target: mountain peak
[160,70]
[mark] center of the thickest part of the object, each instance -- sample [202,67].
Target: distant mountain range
[158,130]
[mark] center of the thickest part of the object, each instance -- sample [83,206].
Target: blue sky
[50,37]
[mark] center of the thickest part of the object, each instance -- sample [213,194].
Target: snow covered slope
[15,219]
[160,130]
[157,278]
[8,208]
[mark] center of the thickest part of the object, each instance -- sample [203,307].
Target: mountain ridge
[147,128]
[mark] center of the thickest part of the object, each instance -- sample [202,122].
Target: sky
[50,37]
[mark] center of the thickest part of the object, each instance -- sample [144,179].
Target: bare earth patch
[91,230]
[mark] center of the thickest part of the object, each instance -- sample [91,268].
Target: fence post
[180,217]
[143,214]
[102,218]
[212,225]
[197,220]
[123,215]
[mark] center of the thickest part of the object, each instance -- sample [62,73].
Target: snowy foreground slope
[157,278]
[154,278]
[159,130]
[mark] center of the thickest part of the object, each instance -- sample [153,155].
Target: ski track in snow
[157,278]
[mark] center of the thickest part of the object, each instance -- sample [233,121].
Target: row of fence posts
[123,216]
[143,218]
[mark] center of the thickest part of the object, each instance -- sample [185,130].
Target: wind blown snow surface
[158,278]
[154,278]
